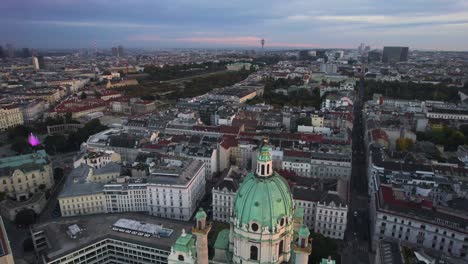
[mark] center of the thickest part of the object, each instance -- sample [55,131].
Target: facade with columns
[264,225]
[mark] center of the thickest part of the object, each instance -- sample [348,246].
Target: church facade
[265,226]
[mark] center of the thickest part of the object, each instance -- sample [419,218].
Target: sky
[419,24]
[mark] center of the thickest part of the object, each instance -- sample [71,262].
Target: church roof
[222,240]
[184,243]
[263,200]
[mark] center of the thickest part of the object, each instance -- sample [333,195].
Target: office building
[328,68]
[395,54]
[10,50]
[374,56]
[25,53]
[35,63]
[115,51]
[111,238]
[120,51]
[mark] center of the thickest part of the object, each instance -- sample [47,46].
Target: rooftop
[95,228]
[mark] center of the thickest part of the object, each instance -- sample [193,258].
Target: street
[357,238]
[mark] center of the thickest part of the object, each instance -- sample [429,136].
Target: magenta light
[33,140]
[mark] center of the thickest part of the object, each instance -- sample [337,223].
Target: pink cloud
[292,45]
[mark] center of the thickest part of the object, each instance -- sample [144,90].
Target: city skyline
[430,25]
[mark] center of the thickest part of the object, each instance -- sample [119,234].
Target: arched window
[180,258]
[253,253]
[280,248]
[268,168]
[263,170]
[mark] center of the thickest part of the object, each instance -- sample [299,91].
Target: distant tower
[201,230]
[95,48]
[10,50]
[120,50]
[303,246]
[262,42]
[35,62]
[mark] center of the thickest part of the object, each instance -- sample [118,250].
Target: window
[280,249]
[253,253]
[180,258]
[254,227]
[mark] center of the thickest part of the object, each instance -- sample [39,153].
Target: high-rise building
[395,54]
[10,50]
[114,51]
[41,62]
[374,56]
[35,63]
[26,53]
[2,53]
[120,51]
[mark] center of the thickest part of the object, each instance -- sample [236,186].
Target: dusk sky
[420,24]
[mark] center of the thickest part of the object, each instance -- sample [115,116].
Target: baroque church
[265,226]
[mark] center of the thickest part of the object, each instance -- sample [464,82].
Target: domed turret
[264,161]
[263,202]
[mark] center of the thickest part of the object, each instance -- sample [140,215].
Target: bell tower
[201,230]
[303,246]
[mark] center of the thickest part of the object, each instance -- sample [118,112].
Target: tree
[404,144]
[58,174]
[68,118]
[323,247]
[20,146]
[18,132]
[55,144]
[2,196]
[25,217]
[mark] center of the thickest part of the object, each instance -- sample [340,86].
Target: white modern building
[112,238]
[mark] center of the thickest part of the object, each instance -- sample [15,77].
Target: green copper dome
[263,200]
[264,154]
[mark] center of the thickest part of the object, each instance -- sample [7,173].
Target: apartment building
[10,116]
[418,222]
[324,212]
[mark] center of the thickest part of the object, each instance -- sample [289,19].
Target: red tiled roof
[379,134]
[389,198]
[296,153]
[229,129]
[228,142]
